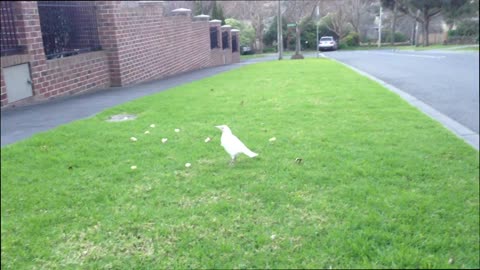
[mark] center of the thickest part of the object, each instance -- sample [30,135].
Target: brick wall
[27,26]
[75,74]
[3,92]
[140,41]
[54,77]
[149,45]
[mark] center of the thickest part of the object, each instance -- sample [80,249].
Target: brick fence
[140,41]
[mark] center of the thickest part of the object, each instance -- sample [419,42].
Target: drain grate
[121,117]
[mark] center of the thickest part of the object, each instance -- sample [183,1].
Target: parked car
[246,50]
[327,43]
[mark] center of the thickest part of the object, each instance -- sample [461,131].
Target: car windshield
[326,39]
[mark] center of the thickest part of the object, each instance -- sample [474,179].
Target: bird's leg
[232,162]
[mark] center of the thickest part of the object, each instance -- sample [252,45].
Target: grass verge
[381,185]
[250,56]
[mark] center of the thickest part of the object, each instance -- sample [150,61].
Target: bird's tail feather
[249,153]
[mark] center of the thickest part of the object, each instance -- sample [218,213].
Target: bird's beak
[219,127]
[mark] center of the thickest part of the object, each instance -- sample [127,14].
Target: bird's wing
[233,145]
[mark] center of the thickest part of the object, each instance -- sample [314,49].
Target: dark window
[234,43]
[213,37]
[225,40]
[9,43]
[68,28]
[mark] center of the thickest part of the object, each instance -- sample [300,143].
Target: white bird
[232,144]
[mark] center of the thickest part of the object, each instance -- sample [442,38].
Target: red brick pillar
[227,52]
[216,54]
[201,18]
[236,55]
[217,24]
[181,12]
[107,23]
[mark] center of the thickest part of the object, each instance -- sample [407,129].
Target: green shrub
[351,40]
[247,34]
[269,49]
[342,45]
[398,37]
[467,28]
[452,33]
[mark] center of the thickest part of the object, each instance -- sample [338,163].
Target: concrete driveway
[446,81]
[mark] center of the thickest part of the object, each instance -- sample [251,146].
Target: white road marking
[406,54]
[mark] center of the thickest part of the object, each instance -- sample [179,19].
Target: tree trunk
[297,43]
[287,46]
[425,31]
[394,22]
[260,41]
[414,33]
[426,20]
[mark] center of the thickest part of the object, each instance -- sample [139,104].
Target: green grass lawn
[250,56]
[472,48]
[286,54]
[381,185]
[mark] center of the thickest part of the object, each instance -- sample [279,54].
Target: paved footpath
[22,122]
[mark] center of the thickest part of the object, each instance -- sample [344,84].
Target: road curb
[466,134]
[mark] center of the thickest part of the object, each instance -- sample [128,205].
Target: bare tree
[298,11]
[423,11]
[355,10]
[257,12]
[203,7]
[455,10]
[393,6]
[338,18]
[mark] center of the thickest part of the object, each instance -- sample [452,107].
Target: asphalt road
[447,81]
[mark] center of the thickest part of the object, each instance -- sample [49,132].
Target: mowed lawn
[380,184]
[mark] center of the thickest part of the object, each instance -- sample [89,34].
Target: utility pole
[416,29]
[380,28]
[316,41]
[279,33]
